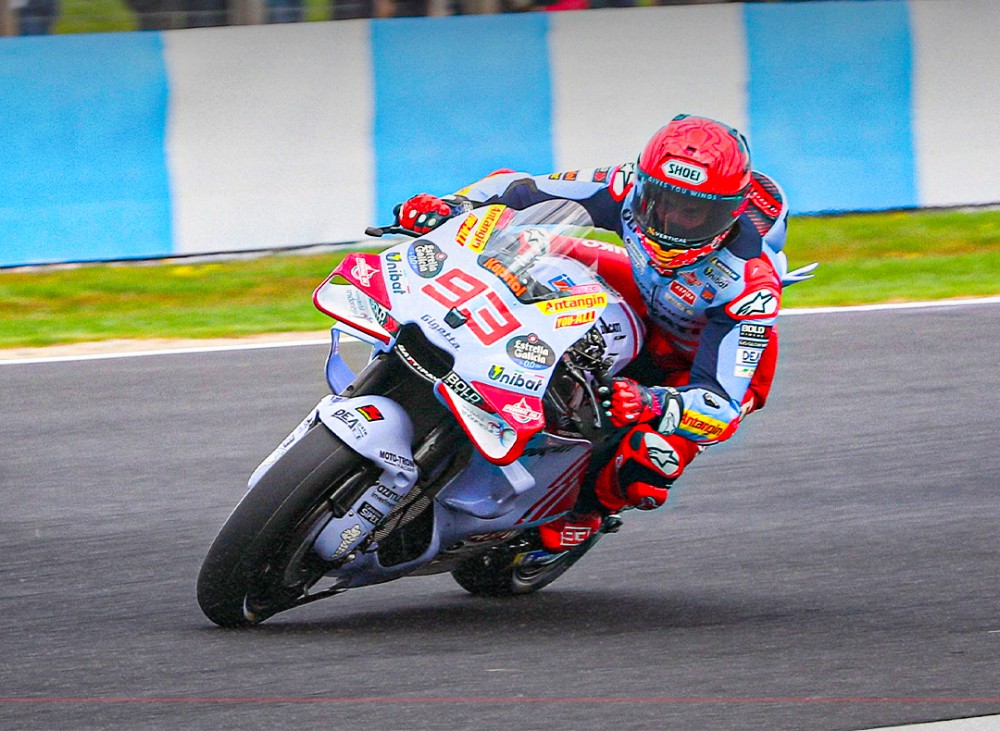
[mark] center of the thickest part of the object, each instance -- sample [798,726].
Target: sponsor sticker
[521,412]
[475,230]
[370,412]
[684,171]
[578,318]
[370,513]
[682,293]
[515,378]
[575,302]
[702,424]
[426,259]
[762,303]
[748,356]
[531,352]
[394,273]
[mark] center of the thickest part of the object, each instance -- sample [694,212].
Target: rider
[701,230]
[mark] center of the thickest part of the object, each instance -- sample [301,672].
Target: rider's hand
[630,403]
[422,213]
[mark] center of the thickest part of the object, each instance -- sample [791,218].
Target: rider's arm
[730,350]
[600,191]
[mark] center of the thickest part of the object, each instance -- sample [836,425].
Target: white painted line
[797,311]
[166,351]
[980,723]
[891,306]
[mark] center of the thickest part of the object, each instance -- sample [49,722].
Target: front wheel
[515,568]
[262,561]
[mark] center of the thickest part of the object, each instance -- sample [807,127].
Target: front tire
[261,563]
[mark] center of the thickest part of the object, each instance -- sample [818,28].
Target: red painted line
[511,700]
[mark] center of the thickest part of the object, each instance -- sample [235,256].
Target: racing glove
[630,403]
[425,212]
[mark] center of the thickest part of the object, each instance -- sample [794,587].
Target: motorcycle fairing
[377,428]
[481,501]
[354,310]
[505,347]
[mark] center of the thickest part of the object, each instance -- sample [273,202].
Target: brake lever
[390,230]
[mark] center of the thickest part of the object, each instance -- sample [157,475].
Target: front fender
[376,427]
[380,430]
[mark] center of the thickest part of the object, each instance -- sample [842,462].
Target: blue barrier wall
[209,140]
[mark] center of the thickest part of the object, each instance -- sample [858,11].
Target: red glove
[631,403]
[422,213]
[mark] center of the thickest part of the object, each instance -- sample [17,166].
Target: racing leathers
[710,324]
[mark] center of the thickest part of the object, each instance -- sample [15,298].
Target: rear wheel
[519,567]
[262,561]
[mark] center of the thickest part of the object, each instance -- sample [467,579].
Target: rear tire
[261,562]
[493,573]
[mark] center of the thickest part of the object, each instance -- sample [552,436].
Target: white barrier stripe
[188,350]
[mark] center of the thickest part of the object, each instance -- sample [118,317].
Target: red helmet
[691,185]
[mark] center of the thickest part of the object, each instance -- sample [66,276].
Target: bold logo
[370,412]
[684,171]
[466,392]
[531,352]
[426,259]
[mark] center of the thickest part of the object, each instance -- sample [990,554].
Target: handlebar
[392,229]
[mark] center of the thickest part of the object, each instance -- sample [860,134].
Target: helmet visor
[680,218]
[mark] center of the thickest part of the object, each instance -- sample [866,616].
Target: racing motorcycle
[476,419]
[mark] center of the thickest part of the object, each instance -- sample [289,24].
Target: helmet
[691,185]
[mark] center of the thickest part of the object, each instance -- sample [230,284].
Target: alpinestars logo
[662,454]
[762,303]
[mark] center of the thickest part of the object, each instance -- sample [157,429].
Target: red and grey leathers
[711,323]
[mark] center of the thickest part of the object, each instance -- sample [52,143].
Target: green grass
[865,258]
[104,16]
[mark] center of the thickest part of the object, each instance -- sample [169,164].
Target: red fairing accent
[364,271]
[561,495]
[519,410]
[761,295]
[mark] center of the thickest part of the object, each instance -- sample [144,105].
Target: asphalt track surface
[835,566]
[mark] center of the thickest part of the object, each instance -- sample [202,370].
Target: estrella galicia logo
[531,352]
[426,259]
